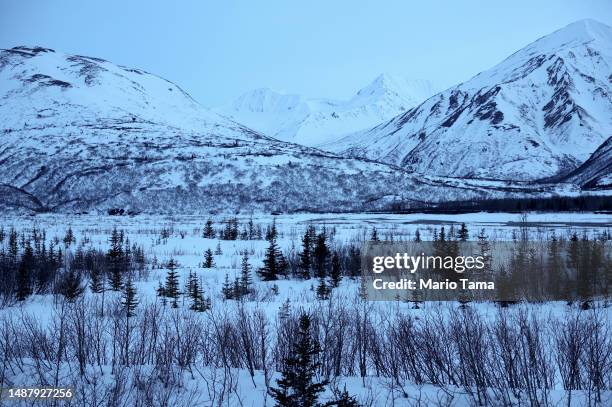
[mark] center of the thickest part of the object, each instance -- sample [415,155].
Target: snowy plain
[184,243]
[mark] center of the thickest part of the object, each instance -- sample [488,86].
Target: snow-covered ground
[180,237]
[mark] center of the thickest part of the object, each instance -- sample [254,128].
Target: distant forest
[553,204]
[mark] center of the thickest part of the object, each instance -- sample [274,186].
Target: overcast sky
[217,50]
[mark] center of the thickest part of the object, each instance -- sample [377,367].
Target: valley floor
[198,382]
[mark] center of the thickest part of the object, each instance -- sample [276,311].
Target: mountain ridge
[552,99]
[81,134]
[314,121]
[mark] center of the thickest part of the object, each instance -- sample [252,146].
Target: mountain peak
[412,91]
[575,34]
[539,113]
[587,26]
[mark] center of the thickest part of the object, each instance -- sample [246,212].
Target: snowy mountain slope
[315,121]
[80,134]
[540,112]
[596,172]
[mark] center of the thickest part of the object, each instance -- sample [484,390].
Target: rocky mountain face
[312,122]
[596,172]
[540,113]
[82,134]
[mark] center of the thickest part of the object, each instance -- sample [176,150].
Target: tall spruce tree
[24,283]
[336,270]
[70,285]
[115,260]
[274,263]
[171,289]
[209,261]
[129,299]
[246,281]
[209,230]
[297,386]
[305,256]
[321,256]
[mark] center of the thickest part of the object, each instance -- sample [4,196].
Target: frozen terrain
[180,238]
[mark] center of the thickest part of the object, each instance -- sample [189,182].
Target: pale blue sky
[217,50]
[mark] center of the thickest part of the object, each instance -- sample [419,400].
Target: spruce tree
[417,236]
[115,260]
[336,270]
[69,237]
[209,230]
[297,386]
[246,281]
[129,299]
[208,259]
[24,285]
[374,235]
[274,262]
[171,289]
[227,290]
[305,257]
[13,249]
[192,285]
[463,233]
[251,229]
[322,289]
[70,285]
[344,399]
[202,304]
[321,256]
[271,232]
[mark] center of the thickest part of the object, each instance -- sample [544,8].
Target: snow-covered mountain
[543,111]
[312,122]
[596,172]
[80,133]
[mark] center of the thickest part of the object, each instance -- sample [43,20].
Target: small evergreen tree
[246,282]
[322,289]
[208,259]
[129,299]
[227,290]
[374,235]
[115,260]
[417,236]
[171,289]
[24,285]
[297,386]
[305,257]
[336,270]
[463,233]
[209,230]
[321,256]
[274,262]
[70,285]
[271,232]
[69,237]
[343,399]
[202,303]
[96,280]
